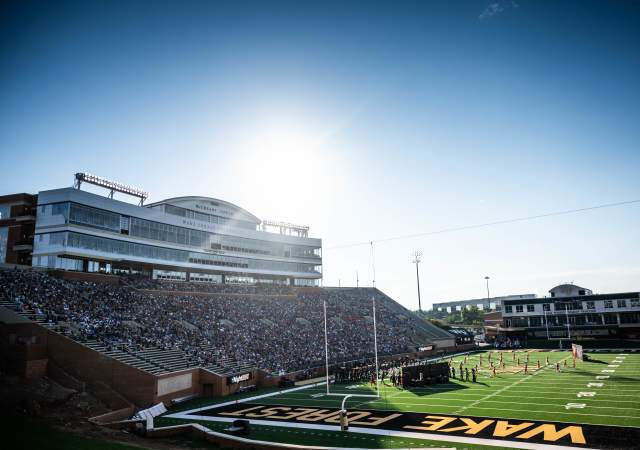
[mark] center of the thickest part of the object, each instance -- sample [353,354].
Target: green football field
[604,391]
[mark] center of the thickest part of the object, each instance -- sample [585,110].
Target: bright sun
[285,165]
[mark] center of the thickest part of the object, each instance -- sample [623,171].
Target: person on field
[466,374]
[473,374]
[526,368]
[557,367]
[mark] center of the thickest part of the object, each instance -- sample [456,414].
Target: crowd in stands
[244,289]
[281,331]
[507,342]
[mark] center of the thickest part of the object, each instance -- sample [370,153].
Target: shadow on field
[612,376]
[597,361]
[440,388]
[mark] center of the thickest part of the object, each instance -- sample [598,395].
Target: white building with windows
[184,238]
[573,311]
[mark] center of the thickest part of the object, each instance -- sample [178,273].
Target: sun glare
[286,165]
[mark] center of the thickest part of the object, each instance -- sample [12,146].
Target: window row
[147,229]
[575,306]
[113,246]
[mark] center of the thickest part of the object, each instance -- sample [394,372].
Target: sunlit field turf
[603,391]
[542,394]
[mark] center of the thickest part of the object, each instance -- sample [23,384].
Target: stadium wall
[59,375]
[99,370]
[23,349]
[136,386]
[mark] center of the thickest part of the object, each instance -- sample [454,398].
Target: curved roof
[209,205]
[566,286]
[568,290]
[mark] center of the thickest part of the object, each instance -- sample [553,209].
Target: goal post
[375,350]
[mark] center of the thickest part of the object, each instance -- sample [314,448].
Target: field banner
[577,351]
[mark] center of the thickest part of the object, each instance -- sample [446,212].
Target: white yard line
[247,399]
[493,394]
[447,400]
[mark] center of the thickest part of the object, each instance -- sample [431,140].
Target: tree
[472,316]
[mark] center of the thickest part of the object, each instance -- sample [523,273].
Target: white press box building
[184,238]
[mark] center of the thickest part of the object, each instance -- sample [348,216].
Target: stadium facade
[573,312]
[183,238]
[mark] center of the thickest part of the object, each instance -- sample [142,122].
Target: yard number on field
[575,405]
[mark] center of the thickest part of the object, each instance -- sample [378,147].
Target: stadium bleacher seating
[162,327]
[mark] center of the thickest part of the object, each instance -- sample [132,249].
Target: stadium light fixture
[416,257]
[488,296]
[112,186]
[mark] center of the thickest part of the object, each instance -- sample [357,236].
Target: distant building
[486,304]
[572,312]
[17,224]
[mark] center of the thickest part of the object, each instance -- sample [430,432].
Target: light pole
[416,257]
[488,296]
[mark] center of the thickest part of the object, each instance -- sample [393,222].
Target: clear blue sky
[361,119]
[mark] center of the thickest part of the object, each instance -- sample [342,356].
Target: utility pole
[357,280]
[416,257]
